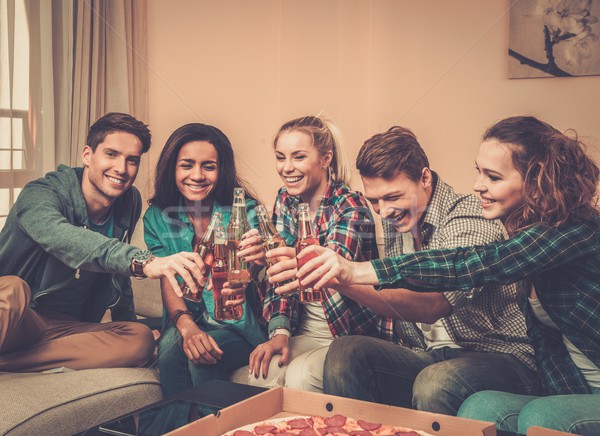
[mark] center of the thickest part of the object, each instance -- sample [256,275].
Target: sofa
[66,402]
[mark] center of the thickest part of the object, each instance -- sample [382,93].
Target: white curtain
[63,64]
[18,139]
[85,58]
[101,53]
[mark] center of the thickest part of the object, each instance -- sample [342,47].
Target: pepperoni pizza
[320,426]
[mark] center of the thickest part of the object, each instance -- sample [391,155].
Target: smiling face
[399,200]
[300,165]
[111,169]
[499,184]
[197,171]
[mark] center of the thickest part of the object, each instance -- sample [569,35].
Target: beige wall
[437,67]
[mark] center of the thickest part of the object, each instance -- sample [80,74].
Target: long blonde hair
[325,136]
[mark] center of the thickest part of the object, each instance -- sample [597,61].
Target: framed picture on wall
[554,38]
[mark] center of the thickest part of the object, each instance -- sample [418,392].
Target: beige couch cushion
[71,402]
[146,293]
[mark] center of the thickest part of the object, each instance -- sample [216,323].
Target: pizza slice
[323,426]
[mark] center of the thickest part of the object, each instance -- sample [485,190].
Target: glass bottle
[239,271]
[219,277]
[306,237]
[270,238]
[205,249]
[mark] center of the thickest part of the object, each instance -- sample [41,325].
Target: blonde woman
[310,163]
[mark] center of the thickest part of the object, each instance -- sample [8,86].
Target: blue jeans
[511,412]
[177,373]
[437,381]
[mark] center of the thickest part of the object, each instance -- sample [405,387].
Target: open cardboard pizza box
[283,402]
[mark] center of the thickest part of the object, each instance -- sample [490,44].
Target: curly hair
[559,178]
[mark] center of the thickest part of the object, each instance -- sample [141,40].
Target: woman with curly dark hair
[542,185]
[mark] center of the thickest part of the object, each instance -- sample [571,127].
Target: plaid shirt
[344,223]
[485,318]
[563,265]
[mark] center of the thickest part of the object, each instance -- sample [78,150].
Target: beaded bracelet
[178,313]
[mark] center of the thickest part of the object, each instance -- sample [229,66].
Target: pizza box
[284,402]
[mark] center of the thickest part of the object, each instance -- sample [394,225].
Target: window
[17,163]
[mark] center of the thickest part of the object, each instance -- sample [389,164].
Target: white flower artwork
[554,38]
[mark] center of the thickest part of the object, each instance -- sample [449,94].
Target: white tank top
[590,372]
[314,324]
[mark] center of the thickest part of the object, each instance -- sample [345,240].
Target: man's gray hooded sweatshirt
[46,241]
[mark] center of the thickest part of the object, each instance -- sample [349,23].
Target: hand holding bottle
[324,267]
[272,242]
[283,270]
[220,281]
[238,269]
[235,293]
[187,265]
[306,238]
[251,248]
[205,248]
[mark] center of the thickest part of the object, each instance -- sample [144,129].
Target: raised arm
[42,216]
[186,264]
[531,252]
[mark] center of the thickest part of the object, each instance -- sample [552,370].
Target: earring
[329,172]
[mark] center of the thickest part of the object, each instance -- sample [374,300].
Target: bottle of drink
[205,249]
[271,239]
[239,271]
[306,237]
[219,277]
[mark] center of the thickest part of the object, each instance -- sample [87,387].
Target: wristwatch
[139,261]
[279,331]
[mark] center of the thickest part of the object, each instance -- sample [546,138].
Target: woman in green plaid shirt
[542,185]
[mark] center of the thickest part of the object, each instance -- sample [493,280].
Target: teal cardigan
[169,232]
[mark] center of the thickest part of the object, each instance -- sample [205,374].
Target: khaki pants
[305,370]
[37,340]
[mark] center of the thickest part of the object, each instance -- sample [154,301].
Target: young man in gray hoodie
[65,259]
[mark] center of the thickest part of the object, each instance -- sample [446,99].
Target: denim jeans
[578,414]
[437,381]
[177,373]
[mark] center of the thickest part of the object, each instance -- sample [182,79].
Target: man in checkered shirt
[453,343]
